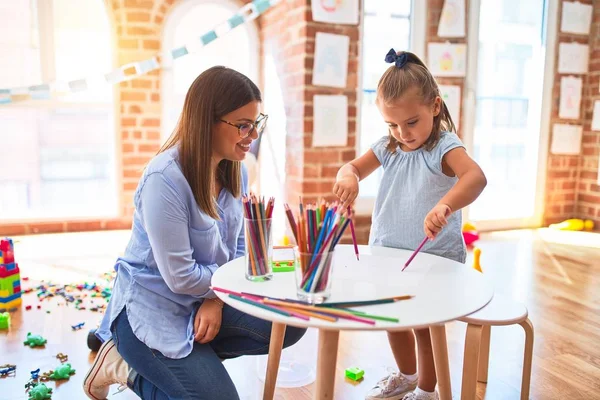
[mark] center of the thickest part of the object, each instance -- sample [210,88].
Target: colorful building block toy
[354,373]
[10,277]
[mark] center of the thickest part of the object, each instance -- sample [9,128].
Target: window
[57,154]
[387,24]
[238,49]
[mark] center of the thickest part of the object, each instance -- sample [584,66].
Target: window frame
[418,21]
[44,32]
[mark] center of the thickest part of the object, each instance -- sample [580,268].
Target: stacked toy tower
[10,278]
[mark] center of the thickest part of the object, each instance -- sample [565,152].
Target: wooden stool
[499,312]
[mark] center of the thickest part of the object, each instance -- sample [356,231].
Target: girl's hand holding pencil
[436,220]
[346,189]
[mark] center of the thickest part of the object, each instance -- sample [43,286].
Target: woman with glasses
[164,331]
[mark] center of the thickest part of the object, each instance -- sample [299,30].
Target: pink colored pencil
[218,289]
[353,233]
[415,253]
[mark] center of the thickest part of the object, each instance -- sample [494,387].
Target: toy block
[354,373]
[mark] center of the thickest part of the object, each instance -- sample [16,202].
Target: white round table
[444,290]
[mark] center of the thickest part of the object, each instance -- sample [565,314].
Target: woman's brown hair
[215,93]
[410,72]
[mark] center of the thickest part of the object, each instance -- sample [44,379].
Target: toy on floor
[63,371]
[574,224]
[7,370]
[34,340]
[4,320]
[77,326]
[470,233]
[35,374]
[10,277]
[62,357]
[354,373]
[476,257]
[40,392]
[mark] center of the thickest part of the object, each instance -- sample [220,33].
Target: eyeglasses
[245,129]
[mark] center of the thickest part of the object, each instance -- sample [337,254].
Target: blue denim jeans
[200,375]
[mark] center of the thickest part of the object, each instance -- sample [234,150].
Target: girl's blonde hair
[410,72]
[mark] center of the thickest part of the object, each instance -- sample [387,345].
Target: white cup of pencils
[317,231]
[259,238]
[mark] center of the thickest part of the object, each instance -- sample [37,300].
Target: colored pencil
[415,253]
[353,234]
[318,230]
[260,305]
[258,233]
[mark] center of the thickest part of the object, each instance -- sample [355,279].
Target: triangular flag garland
[44,91]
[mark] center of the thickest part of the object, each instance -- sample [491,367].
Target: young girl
[427,178]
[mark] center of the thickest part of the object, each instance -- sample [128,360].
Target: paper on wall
[576,18]
[330,120]
[566,139]
[331,60]
[570,97]
[573,58]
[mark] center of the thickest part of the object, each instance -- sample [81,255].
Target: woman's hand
[436,220]
[346,189]
[208,320]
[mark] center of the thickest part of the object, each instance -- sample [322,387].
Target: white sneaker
[392,387]
[108,368]
[421,395]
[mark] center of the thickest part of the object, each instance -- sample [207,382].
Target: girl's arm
[471,182]
[348,176]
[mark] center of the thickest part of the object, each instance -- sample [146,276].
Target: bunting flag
[247,13]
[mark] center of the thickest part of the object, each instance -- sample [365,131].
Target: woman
[165,331]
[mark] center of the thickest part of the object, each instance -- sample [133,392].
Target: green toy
[4,320]
[354,373]
[63,371]
[40,392]
[34,340]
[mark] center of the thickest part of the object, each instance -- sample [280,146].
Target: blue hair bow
[392,57]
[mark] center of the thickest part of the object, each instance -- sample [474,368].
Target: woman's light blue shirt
[412,184]
[173,252]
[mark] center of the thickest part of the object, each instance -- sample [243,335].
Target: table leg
[327,358]
[275,347]
[440,356]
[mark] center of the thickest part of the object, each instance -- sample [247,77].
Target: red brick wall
[571,181]
[588,190]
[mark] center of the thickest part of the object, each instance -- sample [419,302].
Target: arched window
[238,49]
[57,154]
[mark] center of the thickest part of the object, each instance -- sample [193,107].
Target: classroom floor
[557,274]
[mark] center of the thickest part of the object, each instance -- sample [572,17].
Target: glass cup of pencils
[313,275]
[259,238]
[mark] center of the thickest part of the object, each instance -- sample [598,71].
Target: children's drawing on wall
[451,96]
[335,11]
[452,20]
[576,17]
[446,59]
[573,58]
[570,97]
[330,120]
[331,60]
